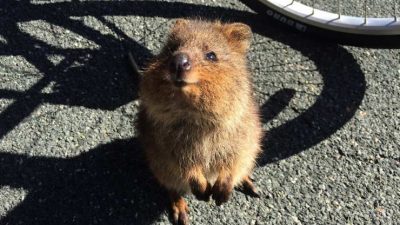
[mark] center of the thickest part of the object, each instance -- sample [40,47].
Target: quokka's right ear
[239,35]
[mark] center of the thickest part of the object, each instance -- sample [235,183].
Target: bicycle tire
[386,39]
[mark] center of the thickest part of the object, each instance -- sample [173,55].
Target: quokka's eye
[211,56]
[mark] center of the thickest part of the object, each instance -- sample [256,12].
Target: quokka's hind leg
[248,187]
[179,209]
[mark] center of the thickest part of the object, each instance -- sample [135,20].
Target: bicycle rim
[352,30]
[335,21]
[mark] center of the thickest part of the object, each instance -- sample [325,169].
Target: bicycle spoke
[365,11]
[313,7]
[339,5]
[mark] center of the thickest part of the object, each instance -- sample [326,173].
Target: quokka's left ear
[239,36]
[179,25]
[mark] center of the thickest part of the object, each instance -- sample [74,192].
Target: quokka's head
[202,62]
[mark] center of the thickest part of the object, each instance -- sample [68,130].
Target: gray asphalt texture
[68,100]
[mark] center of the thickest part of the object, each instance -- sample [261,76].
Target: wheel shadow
[110,184]
[343,90]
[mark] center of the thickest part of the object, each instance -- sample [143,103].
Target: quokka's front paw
[221,191]
[202,192]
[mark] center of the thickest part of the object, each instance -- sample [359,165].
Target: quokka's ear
[239,36]
[179,25]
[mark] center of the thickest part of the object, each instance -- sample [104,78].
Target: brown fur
[203,137]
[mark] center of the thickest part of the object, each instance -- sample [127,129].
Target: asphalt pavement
[68,101]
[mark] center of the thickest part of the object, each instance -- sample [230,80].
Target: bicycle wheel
[345,29]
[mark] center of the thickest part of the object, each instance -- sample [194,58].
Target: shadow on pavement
[107,185]
[110,184]
[343,91]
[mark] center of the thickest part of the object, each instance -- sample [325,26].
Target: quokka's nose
[180,63]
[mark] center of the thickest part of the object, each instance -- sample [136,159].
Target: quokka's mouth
[182,83]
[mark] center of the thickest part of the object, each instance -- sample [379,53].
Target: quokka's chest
[196,145]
